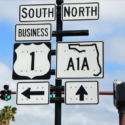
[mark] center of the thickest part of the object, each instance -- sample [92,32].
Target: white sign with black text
[80,60]
[33,32]
[31,61]
[80,11]
[81,93]
[32,93]
[34,13]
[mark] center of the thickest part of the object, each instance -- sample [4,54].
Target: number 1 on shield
[32,60]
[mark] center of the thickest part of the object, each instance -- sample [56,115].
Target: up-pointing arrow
[27,93]
[81,92]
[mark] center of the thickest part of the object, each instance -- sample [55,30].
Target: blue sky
[110,28]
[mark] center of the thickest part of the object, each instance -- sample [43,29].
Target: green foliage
[7,114]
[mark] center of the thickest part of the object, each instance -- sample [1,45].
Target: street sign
[32,93]
[31,61]
[33,32]
[35,13]
[80,60]
[80,11]
[81,92]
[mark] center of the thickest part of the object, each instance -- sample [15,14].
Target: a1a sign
[80,60]
[81,92]
[80,11]
[31,61]
[33,32]
[35,13]
[32,93]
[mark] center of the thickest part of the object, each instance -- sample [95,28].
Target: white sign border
[34,40]
[36,5]
[35,103]
[78,19]
[81,77]
[83,103]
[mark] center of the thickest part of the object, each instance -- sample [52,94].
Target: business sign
[33,32]
[81,93]
[80,11]
[77,60]
[34,13]
[32,93]
[31,61]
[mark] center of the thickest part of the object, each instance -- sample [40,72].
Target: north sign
[31,61]
[81,93]
[77,60]
[33,32]
[32,93]
[35,13]
[80,11]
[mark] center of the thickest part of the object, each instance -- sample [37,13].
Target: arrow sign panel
[81,92]
[32,93]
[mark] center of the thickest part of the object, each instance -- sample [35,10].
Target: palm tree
[7,114]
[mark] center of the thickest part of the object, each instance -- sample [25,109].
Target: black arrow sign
[81,92]
[27,93]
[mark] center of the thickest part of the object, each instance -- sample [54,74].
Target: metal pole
[105,92]
[121,110]
[100,92]
[121,118]
[59,27]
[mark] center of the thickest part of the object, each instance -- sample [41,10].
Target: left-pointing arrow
[27,93]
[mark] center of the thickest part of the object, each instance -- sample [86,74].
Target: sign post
[59,27]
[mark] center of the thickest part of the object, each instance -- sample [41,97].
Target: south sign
[34,13]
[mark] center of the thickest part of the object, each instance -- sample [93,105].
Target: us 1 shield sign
[80,60]
[32,61]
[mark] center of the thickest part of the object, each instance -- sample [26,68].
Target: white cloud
[9,10]
[115,49]
[110,11]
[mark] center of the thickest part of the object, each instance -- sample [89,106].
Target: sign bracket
[71,33]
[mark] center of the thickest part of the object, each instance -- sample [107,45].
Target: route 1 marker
[32,93]
[31,61]
[80,60]
[81,92]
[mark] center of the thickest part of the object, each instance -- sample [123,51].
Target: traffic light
[51,95]
[8,96]
[6,87]
[3,92]
[119,93]
[51,92]
[6,93]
